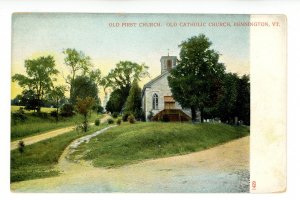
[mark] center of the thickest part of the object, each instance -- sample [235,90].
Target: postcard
[148,103]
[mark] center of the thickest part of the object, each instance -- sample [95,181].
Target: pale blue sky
[36,34]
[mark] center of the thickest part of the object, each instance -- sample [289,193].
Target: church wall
[161,88]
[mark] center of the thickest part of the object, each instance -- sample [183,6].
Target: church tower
[167,63]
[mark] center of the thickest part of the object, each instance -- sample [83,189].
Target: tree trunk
[201,109]
[193,110]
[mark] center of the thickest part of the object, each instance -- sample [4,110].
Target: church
[157,100]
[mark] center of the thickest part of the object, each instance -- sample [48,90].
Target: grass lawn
[34,125]
[43,109]
[130,143]
[38,159]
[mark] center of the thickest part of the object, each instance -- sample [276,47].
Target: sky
[97,35]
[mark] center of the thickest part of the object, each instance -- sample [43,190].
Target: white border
[288,7]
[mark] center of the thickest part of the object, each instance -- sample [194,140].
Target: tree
[133,103]
[39,77]
[84,107]
[57,94]
[83,87]
[17,100]
[115,102]
[121,77]
[243,99]
[197,80]
[227,106]
[78,62]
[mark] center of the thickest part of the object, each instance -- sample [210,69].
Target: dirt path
[224,168]
[47,135]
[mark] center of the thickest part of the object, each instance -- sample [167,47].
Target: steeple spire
[168,52]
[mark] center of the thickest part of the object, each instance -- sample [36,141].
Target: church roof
[148,85]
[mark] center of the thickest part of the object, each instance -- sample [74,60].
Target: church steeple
[167,62]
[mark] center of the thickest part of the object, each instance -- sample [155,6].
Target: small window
[155,101]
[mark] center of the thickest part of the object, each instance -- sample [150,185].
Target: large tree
[84,86]
[133,103]
[197,80]
[227,107]
[78,63]
[122,77]
[39,77]
[115,102]
[243,99]
[56,95]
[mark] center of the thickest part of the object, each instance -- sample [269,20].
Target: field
[34,125]
[38,160]
[131,143]
[43,109]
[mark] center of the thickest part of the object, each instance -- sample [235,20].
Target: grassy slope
[130,143]
[39,159]
[35,125]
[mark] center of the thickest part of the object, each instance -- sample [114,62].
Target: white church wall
[161,88]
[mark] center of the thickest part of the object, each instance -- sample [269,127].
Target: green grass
[34,125]
[131,143]
[43,109]
[38,160]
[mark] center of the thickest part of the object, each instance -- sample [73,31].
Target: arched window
[155,101]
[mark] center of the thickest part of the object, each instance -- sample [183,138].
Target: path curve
[37,138]
[224,168]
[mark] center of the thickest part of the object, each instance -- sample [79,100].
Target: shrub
[131,119]
[110,121]
[115,114]
[42,115]
[21,146]
[97,122]
[18,116]
[149,117]
[67,110]
[53,113]
[125,116]
[100,109]
[119,121]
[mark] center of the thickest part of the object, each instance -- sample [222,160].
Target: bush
[18,116]
[149,117]
[67,110]
[53,113]
[110,121]
[131,119]
[100,109]
[119,121]
[42,115]
[125,116]
[21,146]
[115,114]
[97,122]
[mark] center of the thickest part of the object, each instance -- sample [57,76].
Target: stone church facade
[157,96]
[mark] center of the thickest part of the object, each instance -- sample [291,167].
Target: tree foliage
[84,87]
[122,77]
[197,81]
[84,107]
[39,77]
[115,102]
[133,103]
[78,63]
[56,95]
